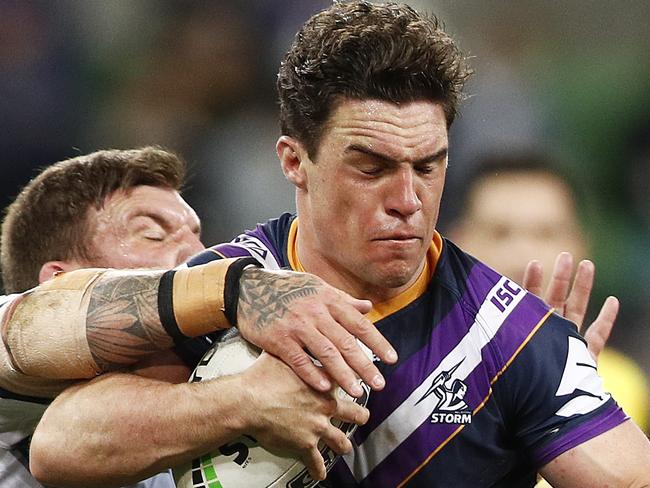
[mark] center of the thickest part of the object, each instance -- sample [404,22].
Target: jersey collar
[383,309]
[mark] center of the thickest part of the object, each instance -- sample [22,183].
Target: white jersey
[19,413]
[19,416]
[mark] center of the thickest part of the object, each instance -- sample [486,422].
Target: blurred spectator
[636,171]
[202,64]
[517,207]
[39,93]
[205,88]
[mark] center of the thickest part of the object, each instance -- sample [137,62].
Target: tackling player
[123,209]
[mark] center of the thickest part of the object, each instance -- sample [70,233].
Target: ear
[51,268]
[293,158]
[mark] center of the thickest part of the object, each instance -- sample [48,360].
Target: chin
[396,276]
[394,282]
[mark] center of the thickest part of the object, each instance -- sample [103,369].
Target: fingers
[558,288]
[336,440]
[303,365]
[314,463]
[359,356]
[576,304]
[316,317]
[340,357]
[331,351]
[327,354]
[363,329]
[363,306]
[533,278]
[331,337]
[348,411]
[599,331]
[570,301]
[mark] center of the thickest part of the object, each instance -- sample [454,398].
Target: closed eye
[154,237]
[425,169]
[371,171]
[148,228]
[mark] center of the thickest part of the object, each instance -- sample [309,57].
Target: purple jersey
[490,384]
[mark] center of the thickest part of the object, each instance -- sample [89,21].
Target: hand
[571,301]
[286,414]
[284,313]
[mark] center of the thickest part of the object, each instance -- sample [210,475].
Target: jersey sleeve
[553,393]
[5,300]
[264,243]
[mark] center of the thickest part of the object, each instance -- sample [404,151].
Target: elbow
[42,464]
[55,462]
[49,461]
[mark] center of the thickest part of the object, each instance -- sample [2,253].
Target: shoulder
[491,299]
[266,243]
[554,391]
[464,276]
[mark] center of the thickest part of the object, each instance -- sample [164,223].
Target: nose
[402,198]
[189,244]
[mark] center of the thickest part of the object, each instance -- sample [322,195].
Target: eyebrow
[441,153]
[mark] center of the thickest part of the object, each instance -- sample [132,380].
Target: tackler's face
[145,227]
[372,193]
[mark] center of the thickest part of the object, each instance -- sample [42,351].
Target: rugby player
[122,209]
[491,385]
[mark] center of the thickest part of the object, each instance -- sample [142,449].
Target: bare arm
[88,322]
[619,457]
[120,428]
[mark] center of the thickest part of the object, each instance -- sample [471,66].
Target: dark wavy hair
[361,50]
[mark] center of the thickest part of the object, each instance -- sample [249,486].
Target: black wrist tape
[231,287]
[166,307]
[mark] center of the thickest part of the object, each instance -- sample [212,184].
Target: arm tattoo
[266,296]
[122,323]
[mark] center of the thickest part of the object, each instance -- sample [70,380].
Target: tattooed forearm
[122,322]
[265,296]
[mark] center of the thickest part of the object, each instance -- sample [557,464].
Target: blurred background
[566,79]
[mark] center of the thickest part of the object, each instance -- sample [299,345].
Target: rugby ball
[243,463]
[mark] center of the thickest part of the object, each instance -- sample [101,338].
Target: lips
[401,236]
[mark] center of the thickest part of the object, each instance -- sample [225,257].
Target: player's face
[513,218]
[147,227]
[372,195]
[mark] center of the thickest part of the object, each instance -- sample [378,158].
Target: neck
[311,261]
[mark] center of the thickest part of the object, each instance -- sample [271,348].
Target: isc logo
[504,295]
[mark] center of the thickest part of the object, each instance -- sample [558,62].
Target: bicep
[617,457]
[164,366]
